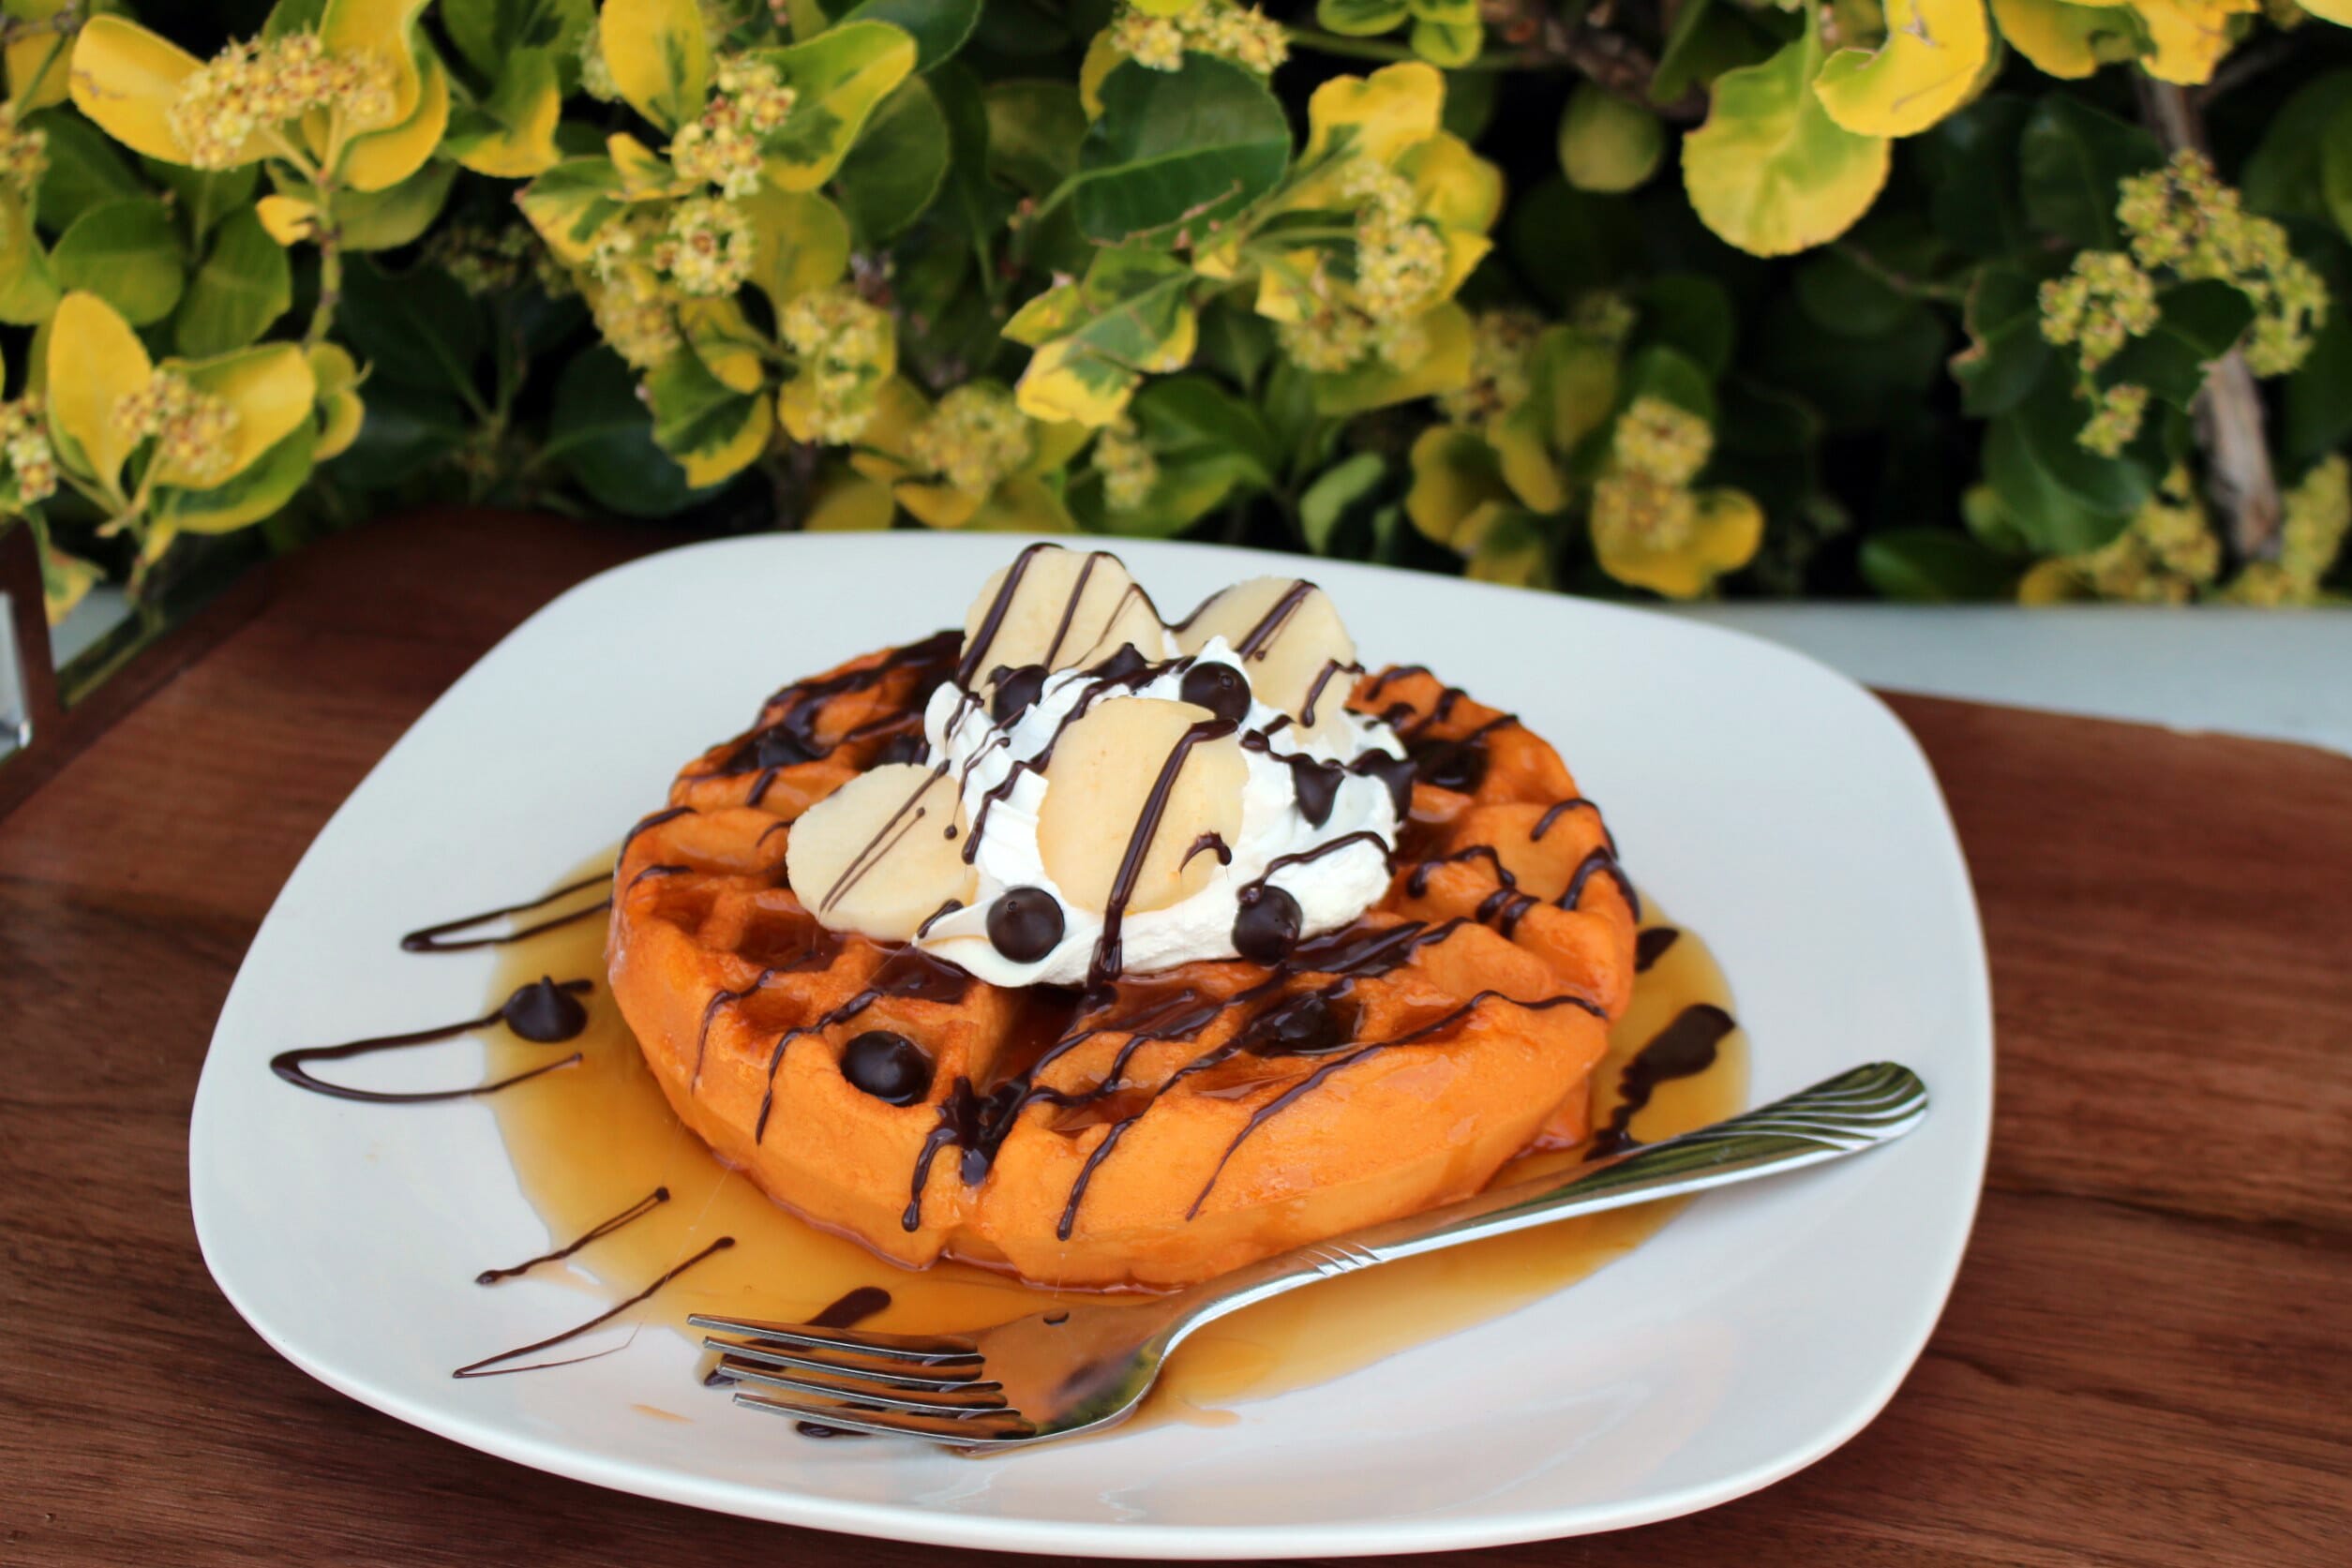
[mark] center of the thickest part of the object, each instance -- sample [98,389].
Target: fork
[1073,1369]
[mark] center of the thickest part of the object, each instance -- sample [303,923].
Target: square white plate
[1773,805]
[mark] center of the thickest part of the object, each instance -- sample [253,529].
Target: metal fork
[1075,1369]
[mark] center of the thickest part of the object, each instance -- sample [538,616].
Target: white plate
[1770,803]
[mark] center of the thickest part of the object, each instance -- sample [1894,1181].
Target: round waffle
[1166,1127]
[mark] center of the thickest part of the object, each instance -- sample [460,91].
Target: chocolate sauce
[1266,927]
[885,838]
[1259,640]
[545,1013]
[791,740]
[1217,686]
[428,939]
[489,1366]
[887,1065]
[1025,924]
[1322,678]
[637,1210]
[1394,772]
[1651,945]
[1107,958]
[823,945]
[1683,1049]
[1017,691]
[909,974]
[848,1312]
[668,813]
[1210,843]
[992,621]
[1315,784]
[651,872]
[1601,860]
[1417,884]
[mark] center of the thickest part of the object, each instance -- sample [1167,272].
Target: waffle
[1173,1126]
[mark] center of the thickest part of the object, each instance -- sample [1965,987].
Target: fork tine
[888,1377]
[883,1424]
[928,1348]
[864,1395]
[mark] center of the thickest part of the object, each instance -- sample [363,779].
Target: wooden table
[2148,1358]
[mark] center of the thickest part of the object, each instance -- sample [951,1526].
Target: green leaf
[602,435]
[402,434]
[1858,383]
[28,291]
[125,253]
[398,214]
[2006,353]
[245,284]
[85,171]
[488,31]
[1770,171]
[419,328]
[1334,494]
[1691,313]
[2070,158]
[1658,371]
[2053,519]
[1192,416]
[938,27]
[2283,177]
[1968,166]
[1705,41]
[1361,19]
[2050,417]
[898,164]
[1034,132]
[263,487]
[1563,241]
[2317,404]
[1934,566]
[1843,297]
[976,207]
[203,198]
[1607,144]
[1096,339]
[2335,168]
[1177,150]
[2198,323]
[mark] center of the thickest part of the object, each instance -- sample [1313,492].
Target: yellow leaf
[341,412]
[287,222]
[838,75]
[1102,58]
[937,505]
[383,159]
[93,360]
[1515,551]
[1457,489]
[1725,533]
[736,453]
[659,57]
[882,453]
[1065,379]
[850,503]
[379,29]
[527,104]
[1925,69]
[723,340]
[2189,36]
[800,242]
[273,391]
[2066,40]
[2054,581]
[1452,184]
[1051,446]
[2337,11]
[1022,505]
[127,79]
[1525,462]
[1378,115]
[1444,366]
[1770,170]
[45,59]
[645,174]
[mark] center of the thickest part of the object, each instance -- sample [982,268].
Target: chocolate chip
[1025,924]
[1266,928]
[888,1066]
[779,747]
[1305,1025]
[1217,686]
[1449,764]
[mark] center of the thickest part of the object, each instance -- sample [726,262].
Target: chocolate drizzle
[908,973]
[864,1301]
[1601,860]
[1684,1048]
[791,738]
[636,1210]
[489,1366]
[429,939]
[544,1012]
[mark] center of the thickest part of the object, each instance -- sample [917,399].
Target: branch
[2239,479]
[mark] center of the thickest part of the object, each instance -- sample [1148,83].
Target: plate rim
[912,1524]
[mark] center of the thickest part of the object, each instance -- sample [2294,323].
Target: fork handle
[1857,1110]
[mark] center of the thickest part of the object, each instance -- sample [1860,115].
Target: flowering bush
[1940,298]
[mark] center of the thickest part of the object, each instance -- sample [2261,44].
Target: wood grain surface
[2148,1357]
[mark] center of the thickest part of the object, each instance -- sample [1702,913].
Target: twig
[2239,478]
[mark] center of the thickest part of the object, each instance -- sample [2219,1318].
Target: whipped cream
[1331,889]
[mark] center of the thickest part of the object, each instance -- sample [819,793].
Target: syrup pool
[591,1141]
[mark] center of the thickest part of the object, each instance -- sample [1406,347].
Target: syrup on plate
[597,1140]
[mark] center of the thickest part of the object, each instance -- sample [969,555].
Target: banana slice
[1099,791]
[882,853]
[1065,609]
[1290,640]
